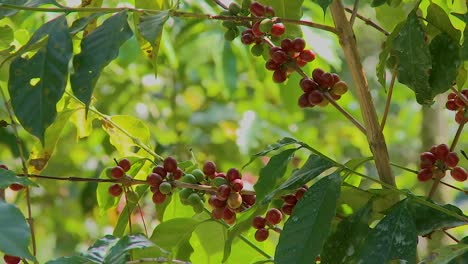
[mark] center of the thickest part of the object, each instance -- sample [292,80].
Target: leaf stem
[158,260]
[354,13]
[389,98]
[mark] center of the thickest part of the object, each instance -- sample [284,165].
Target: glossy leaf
[461,258]
[289,9]
[212,236]
[230,69]
[438,19]
[69,260]
[447,255]
[313,167]
[272,173]
[349,236]
[310,223]
[376,3]
[323,4]
[36,84]
[8,177]
[394,238]
[414,59]
[81,23]
[97,252]
[445,62]
[98,49]
[27,3]
[119,139]
[164,235]
[120,252]
[14,232]
[279,144]
[6,36]
[383,56]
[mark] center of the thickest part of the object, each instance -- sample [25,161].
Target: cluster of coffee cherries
[161,177]
[193,197]
[290,200]
[437,160]
[264,224]
[11,259]
[455,103]
[118,172]
[14,186]
[227,200]
[321,83]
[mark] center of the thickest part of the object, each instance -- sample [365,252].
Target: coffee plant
[125,129]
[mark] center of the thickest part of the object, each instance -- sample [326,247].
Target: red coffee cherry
[160,170]
[308,85]
[278,29]
[307,55]
[316,74]
[170,164]
[427,160]
[271,65]
[279,56]
[237,185]
[117,172]
[452,159]
[233,174]
[300,193]
[258,222]
[261,234]
[177,174]
[158,197]
[459,174]
[229,215]
[451,95]
[257,9]
[216,202]
[125,164]
[269,12]
[287,209]
[248,199]
[223,192]
[451,105]
[217,213]
[303,101]
[460,116]
[154,179]
[287,45]
[256,29]
[298,44]
[115,190]
[441,151]
[209,168]
[274,216]
[290,199]
[315,97]
[16,187]
[11,259]
[425,174]
[247,38]
[279,76]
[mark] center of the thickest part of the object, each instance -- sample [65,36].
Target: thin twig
[158,260]
[19,144]
[389,98]
[437,176]
[142,218]
[221,4]
[369,22]
[354,13]
[451,236]
[454,187]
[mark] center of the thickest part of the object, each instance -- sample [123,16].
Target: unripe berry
[452,159]
[115,190]
[158,198]
[261,234]
[258,222]
[274,216]
[234,8]
[298,44]
[185,193]
[165,188]
[257,50]
[442,151]
[154,179]
[209,168]
[459,174]
[265,25]
[170,164]
[425,174]
[189,178]
[287,209]
[231,33]
[198,207]
[257,9]
[279,76]
[198,175]
[132,196]
[237,185]
[234,200]
[160,170]
[194,198]
[277,29]
[339,88]
[308,85]
[125,164]
[117,172]
[16,187]
[218,181]
[11,259]
[307,55]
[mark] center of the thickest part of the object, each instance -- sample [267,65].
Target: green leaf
[36,84]
[428,219]
[150,27]
[461,258]
[313,167]
[119,253]
[394,238]
[289,92]
[69,260]
[6,37]
[81,23]
[438,19]
[230,69]
[461,77]
[98,49]
[323,4]
[383,56]
[349,235]
[27,3]
[288,9]
[97,252]
[447,254]
[119,139]
[174,235]
[212,236]
[309,224]
[272,173]
[14,232]
[414,59]
[376,3]
[279,144]
[8,177]
[445,62]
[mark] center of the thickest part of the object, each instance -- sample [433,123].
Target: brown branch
[354,13]
[374,134]
[389,98]
[368,22]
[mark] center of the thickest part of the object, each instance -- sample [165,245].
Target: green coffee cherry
[246,4]
[194,198]
[229,24]
[225,13]
[198,207]
[132,196]
[165,188]
[265,25]
[257,49]
[185,193]
[199,175]
[218,181]
[231,34]
[189,178]
[109,173]
[234,8]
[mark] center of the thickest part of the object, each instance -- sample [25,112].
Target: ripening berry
[160,170]
[290,199]
[298,44]
[277,29]
[115,190]
[279,76]
[315,97]
[459,174]
[170,164]
[308,85]
[11,259]
[154,179]
[274,216]
[125,164]
[247,38]
[237,185]
[324,102]
[452,159]
[177,174]
[258,222]
[261,234]
[287,209]
[307,55]
[441,151]
[16,187]
[248,199]
[209,168]
[339,88]
[303,101]
[117,172]
[234,200]
[257,9]
[223,192]
[425,174]
[158,198]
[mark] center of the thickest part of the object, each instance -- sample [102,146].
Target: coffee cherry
[442,151]
[287,44]
[271,65]
[16,187]
[165,188]
[277,29]
[132,196]
[452,159]
[160,170]
[125,164]
[323,103]
[217,213]
[228,214]
[237,185]
[303,101]
[257,9]
[274,216]
[198,207]
[339,88]
[117,172]
[459,102]
[154,179]
[261,234]
[223,192]
[234,200]
[170,164]
[425,174]
[115,190]
[316,74]
[460,117]
[216,202]
[11,259]
[459,174]
[218,181]
[258,222]
[231,33]
[209,168]
[247,38]
[234,8]
[427,160]
[256,29]
[290,199]
[451,95]
[257,50]
[194,198]
[287,209]
[3,167]
[336,78]
[198,175]
[279,76]
[248,199]
[269,12]
[184,193]
[158,198]
[189,178]
[326,80]
[301,63]
[298,44]
[307,55]
[233,174]
[315,97]
[300,193]
[279,56]
[177,174]
[451,105]
[265,25]
[308,85]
